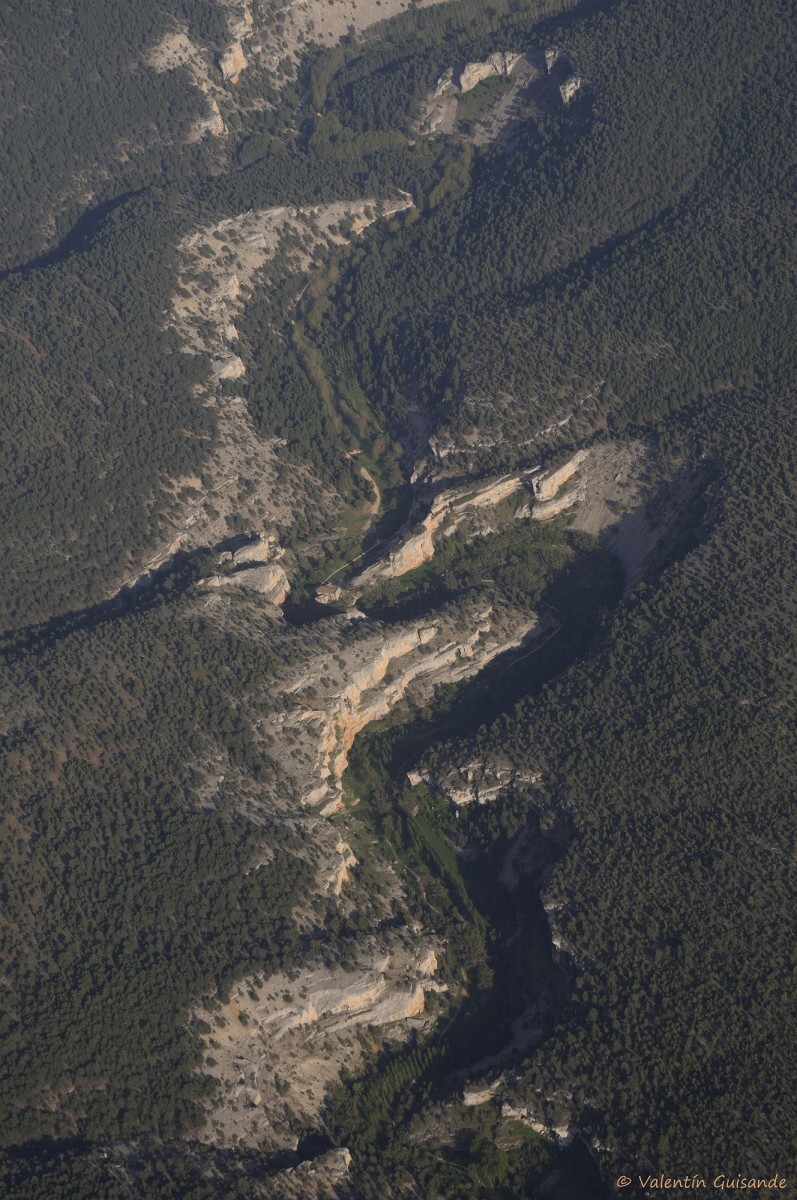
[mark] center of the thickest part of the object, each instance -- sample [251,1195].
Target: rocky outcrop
[231,367]
[563,1135]
[546,511]
[444,84]
[501,63]
[448,511]
[284,1040]
[341,999]
[472,1097]
[555,57]
[341,874]
[573,85]
[255,567]
[561,949]
[317,1179]
[573,88]
[547,485]
[269,580]
[358,670]
[344,693]
[213,123]
[232,62]
[241,24]
[260,549]
[478,782]
[471,74]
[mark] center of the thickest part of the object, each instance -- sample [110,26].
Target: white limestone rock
[228,368]
[232,62]
[499,63]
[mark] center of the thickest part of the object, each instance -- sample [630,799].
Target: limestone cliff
[368,672]
[281,1042]
[479,782]
[448,511]
[547,485]
[552,508]
[269,580]
[232,62]
[256,566]
[471,74]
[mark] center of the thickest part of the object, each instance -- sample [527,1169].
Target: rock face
[439,110]
[213,123]
[547,485]
[500,63]
[573,87]
[241,26]
[472,1097]
[257,568]
[553,56]
[546,511]
[259,550]
[444,84]
[449,510]
[478,782]
[284,1040]
[561,950]
[232,62]
[342,872]
[317,1179]
[231,367]
[269,580]
[364,680]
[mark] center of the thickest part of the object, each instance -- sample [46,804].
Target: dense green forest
[672,751]
[597,254]
[126,894]
[85,119]
[620,267]
[98,398]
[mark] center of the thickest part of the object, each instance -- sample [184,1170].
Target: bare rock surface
[439,110]
[477,782]
[269,580]
[573,88]
[221,263]
[280,1043]
[547,486]
[213,123]
[317,1179]
[448,511]
[366,672]
[232,62]
[500,63]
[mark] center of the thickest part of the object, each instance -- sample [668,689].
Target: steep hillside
[397,598]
